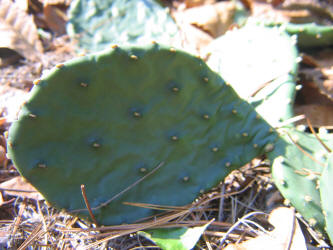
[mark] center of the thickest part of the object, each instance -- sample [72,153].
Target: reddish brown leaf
[18,186]
[213,19]
[319,115]
[55,18]
[3,157]
[195,3]
[286,235]
[18,31]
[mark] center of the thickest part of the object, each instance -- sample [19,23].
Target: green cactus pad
[326,196]
[261,65]
[107,119]
[309,35]
[296,173]
[96,24]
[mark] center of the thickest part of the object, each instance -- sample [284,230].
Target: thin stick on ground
[18,218]
[236,225]
[83,190]
[123,191]
[34,235]
[303,151]
[221,204]
[315,134]
[43,221]
[147,225]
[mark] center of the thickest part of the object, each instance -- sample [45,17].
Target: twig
[237,224]
[220,216]
[293,229]
[130,187]
[156,207]
[315,134]
[83,190]
[133,226]
[18,218]
[122,192]
[304,152]
[43,221]
[34,234]
[144,226]
[290,121]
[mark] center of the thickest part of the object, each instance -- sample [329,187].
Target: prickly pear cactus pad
[326,196]
[251,56]
[108,119]
[309,35]
[261,65]
[296,171]
[96,24]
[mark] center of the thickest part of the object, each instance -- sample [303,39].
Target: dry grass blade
[156,207]
[35,234]
[240,221]
[315,134]
[18,31]
[304,152]
[18,218]
[122,192]
[159,221]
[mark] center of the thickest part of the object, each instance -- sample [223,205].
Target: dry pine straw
[246,192]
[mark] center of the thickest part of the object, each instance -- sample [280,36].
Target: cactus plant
[326,197]
[309,35]
[242,53]
[181,238]
[107,119]
[298,161]
[97,24]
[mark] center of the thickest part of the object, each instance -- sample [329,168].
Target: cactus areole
[107,120]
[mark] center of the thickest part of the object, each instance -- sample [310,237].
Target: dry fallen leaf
[323,9]
[286,235]
[322,77]
[195,3]
[11,100]
[214,19]
[318,114]
[18,186]
[18,31]
[323,74]
[194,39]
[3,157]
[297,11]
[56,2]
[55,16]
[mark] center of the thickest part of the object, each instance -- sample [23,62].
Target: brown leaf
[195,3]
[325,79]
[248,4]
[318,10]
[11,100]
[214,19]
[56,2]
[319,115]
[194,39]
[296,11]
[3,157]
[55,18]
[286,235]
[321,76]
[18,31]
[18,186]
